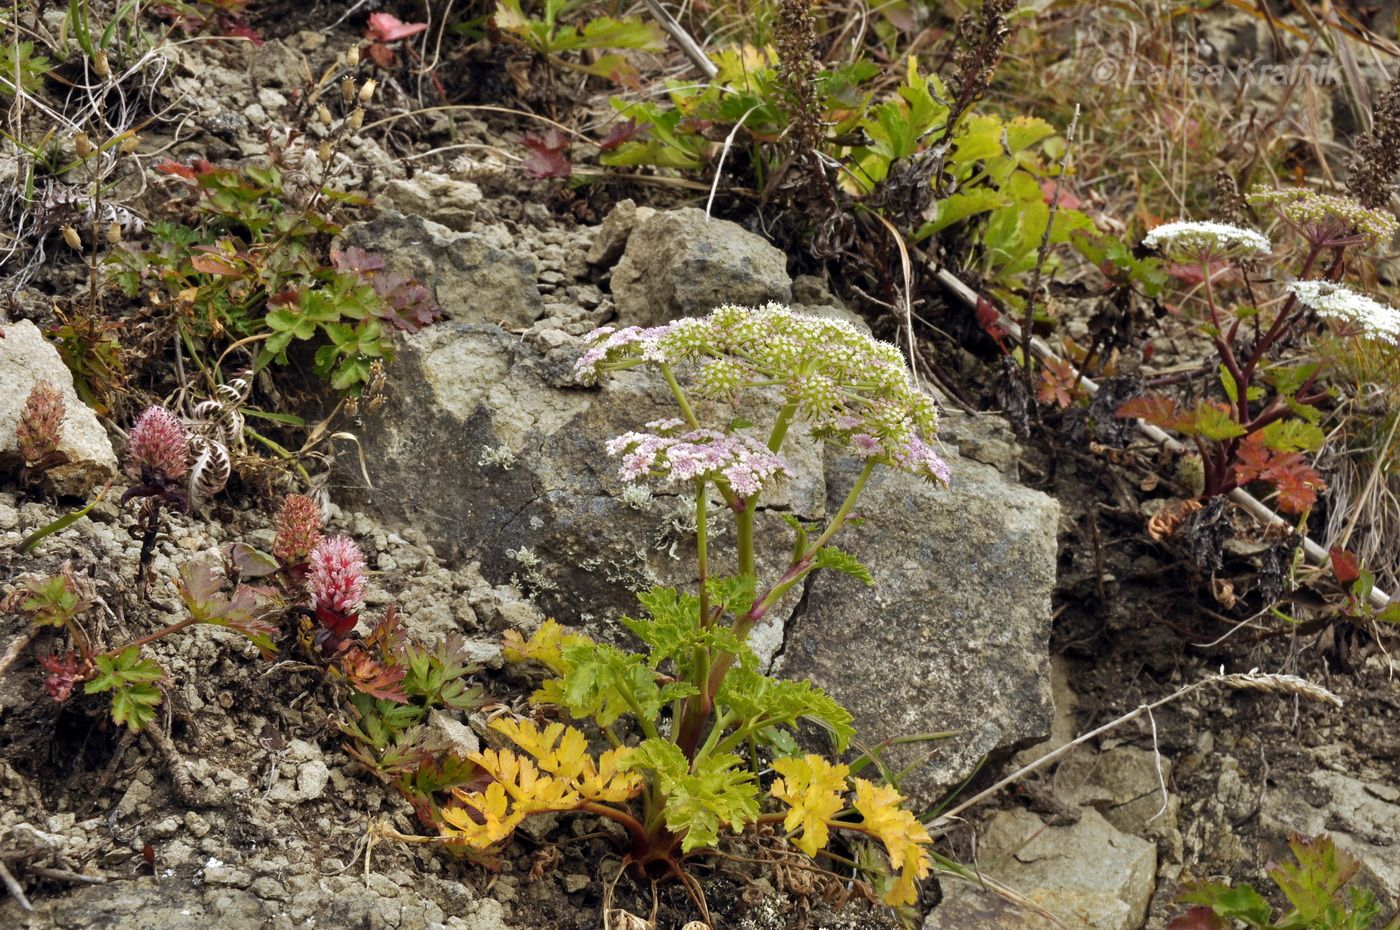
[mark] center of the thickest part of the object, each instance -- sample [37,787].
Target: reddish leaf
[1066,197]
[1252,460]
[1199,918]
[1056,383]
[1157,409]
[1344,565]
[990,321]
[388,635]
[386,27]
[625,131]
[370,677]
[63,673]
[382,55]
[240,30]
[548,156]
[198,168]
[1296,482]
[357,260]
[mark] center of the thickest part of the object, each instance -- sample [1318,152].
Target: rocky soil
[1014,608]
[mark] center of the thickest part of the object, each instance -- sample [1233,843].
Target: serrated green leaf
[762,701]
[1214,423]
[1293,436]
[719,792]
[1241,902]
[843,562]
[673,629]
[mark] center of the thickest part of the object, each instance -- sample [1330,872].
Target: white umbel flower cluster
[848,387]
[1373,319]
[1195,240]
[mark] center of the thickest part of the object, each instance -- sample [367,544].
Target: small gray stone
[684,263]
[433,196]
[1090,875]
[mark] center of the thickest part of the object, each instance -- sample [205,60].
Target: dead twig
[13,887]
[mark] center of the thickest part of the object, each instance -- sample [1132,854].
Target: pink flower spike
[159,445]
[337,575]
[298,530]
[40,427]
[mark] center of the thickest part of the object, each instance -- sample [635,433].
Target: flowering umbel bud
[298,530]
[158,446]
[40,427]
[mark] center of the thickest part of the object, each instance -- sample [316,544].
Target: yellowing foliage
[545,646]
[813,789]
[901,833]
[561,776]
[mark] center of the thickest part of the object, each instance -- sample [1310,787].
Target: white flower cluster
[844,384]
[1373,319]
[1197,240]
[1328,215]
[743,463]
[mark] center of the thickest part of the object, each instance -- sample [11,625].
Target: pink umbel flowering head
[298,530]
[40,427]
[744,464]
[158,446]
[336,576]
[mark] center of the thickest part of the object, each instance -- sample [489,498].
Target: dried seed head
[114,234]
[1255,680]
[367,90]
[70,236]
[82,144]
[40,427]
[324,152]
[323,113]
[357,119]
[159,445]
[298,529]
[352,56]
[337,575]
[130,143]
[100,64]
[347,89]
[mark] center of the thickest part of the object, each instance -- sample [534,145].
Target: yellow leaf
[492,822]
[812,787]
[563,752]
[901,833]
[545,646]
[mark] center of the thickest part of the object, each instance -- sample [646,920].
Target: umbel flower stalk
[851,390]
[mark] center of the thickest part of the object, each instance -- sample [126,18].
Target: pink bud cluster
[40,427]
[158,446]
[298,530]
[336,575]
[743,463]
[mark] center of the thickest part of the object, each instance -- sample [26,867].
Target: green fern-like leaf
[719,792]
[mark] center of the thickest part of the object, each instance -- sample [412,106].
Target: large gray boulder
[683,263]
[27,358]
[953,635]
[489,448]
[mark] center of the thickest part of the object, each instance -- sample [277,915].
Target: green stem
[844,512]
[679,395]
[780,428]
[743,521]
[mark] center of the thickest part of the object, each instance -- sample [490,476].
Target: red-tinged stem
[642,845]
[146,640]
